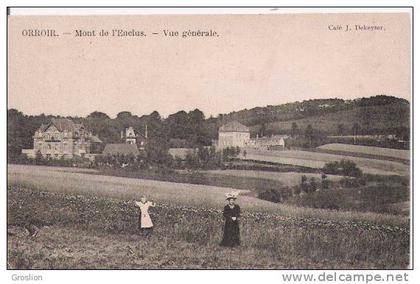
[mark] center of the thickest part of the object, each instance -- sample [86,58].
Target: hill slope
[372,120]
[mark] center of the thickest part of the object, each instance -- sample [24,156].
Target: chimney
[145,132]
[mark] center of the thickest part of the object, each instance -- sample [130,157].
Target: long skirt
[145,221]
[231,234]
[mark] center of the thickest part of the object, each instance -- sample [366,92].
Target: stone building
[233,134]
[274,142]
[61,137]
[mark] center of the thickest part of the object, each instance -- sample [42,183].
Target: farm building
[61,137]
[132,143]
[122,149]
[275,142]
[233,134]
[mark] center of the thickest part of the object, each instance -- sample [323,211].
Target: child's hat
[232,195]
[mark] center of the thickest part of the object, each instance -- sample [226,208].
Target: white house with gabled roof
[233,134]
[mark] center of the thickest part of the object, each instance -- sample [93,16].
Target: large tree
[98,115]
[294,130]
[309,135]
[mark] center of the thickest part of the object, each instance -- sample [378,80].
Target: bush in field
[304,184]
[312,185]
[343,167]
[230,152]
[321,200]
[352,182]
[203,158]
[325,183]
[157,152]
[271,195]
[122,161]
[308,186]
[379,198]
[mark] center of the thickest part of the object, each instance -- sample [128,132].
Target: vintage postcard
[272,139]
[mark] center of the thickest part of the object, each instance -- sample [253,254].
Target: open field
[318,160]
[369,150]
[56,179]
[88,231]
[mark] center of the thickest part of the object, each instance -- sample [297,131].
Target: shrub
[325,183]
[343,167]
[321,200]
[312,185]
[352,182]
[271,195]
[304,184]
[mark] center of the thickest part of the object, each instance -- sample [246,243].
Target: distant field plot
[377,151]
[318,160]
[288,179]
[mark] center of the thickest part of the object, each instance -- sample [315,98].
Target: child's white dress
[145,221]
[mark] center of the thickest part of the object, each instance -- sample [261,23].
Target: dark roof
[121,149]
[233,126]
[43,127]
[95,139]
[62,124]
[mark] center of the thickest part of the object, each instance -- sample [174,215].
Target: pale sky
[256,60]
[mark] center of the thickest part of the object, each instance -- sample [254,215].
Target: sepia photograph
[209,140]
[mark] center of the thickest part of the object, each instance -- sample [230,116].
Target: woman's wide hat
[231,195]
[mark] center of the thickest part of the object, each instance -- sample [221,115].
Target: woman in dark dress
[231,213]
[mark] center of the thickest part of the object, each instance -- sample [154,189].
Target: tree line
[184,129]
[193,130]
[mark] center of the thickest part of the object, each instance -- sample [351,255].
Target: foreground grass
[79,231]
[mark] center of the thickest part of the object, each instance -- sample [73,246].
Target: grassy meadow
[318,160]
[88,220]
[372,151]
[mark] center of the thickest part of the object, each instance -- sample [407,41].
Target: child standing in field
[145,222]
